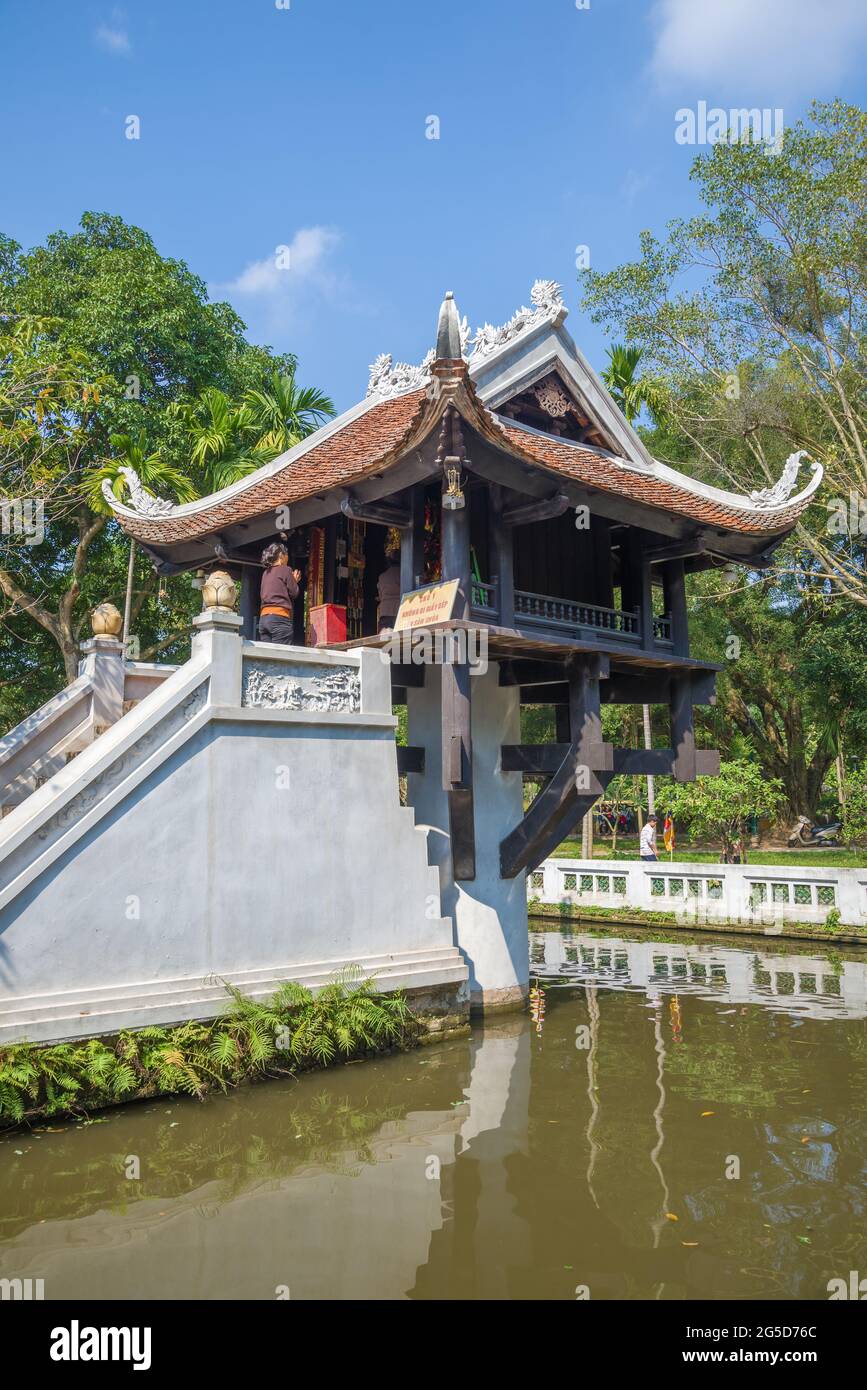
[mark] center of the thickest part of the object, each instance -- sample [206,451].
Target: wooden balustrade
[569,615]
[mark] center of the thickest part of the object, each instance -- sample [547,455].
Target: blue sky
[306,127]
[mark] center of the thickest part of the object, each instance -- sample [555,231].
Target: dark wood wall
[553,557]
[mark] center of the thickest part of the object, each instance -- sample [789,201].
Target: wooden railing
[544,611]
[484,598]
[662,629]
[569,616]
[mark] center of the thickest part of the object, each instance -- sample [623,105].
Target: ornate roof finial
[449,343]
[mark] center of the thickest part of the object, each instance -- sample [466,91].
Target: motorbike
[807,832]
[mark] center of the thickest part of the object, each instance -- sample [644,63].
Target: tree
[283,413]
[716,808]
[794,668]
[220,437]
[632,393]
[753,316]
[228,439]
[855,809]
[49,397]
[126,333]
[153,472]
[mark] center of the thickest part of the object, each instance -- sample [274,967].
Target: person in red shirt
[280,588]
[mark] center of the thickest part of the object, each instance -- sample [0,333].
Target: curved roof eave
[380,429]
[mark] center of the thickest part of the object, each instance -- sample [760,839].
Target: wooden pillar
[562,724]
[412,542]
[251,578]
[457,748]
[456,555]
[503,557]
[575,786]
[674,589]
[635,586]
[603,576]
[585,717]
[330,559]
[682,728]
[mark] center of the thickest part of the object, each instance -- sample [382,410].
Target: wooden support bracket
[574,785]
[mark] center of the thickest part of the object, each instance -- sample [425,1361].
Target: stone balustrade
[760,894]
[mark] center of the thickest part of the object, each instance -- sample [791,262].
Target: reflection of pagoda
[483,1238]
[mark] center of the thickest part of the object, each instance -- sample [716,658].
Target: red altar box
[327,624]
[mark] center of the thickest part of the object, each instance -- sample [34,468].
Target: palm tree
[284,414]
[231,439]
[220,437]
[155,474]
[630,392]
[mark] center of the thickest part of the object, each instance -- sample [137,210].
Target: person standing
[388,591]
[647,840]
[277,595]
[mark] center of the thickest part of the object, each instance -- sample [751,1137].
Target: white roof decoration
[767,497]
[142,502]
[389,378]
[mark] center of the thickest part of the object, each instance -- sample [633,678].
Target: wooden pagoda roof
[376,435]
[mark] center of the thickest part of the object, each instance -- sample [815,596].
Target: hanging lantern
[453,497]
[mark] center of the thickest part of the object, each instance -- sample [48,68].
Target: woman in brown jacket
[277,594]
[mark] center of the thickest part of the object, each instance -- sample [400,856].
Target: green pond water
[539,1158]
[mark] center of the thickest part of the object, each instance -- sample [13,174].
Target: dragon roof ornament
[389,378]
[140,500]
[783,488]
[547,300]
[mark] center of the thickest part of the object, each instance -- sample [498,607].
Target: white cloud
[302,261]
[113,40]
[768,46]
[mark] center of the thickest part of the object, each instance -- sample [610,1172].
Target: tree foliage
[107,350]
[752,318]
[717,808]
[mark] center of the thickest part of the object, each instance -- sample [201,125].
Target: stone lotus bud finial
[106,621]
[219,591]
[449,343]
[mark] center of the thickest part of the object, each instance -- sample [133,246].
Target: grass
[627,848]
[569,911]
[292,1031]
[566,911]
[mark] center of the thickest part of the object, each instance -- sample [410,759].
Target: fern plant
[293,1030]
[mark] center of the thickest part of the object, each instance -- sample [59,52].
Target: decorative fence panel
[739,893]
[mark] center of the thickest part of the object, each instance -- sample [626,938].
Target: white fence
[741,893]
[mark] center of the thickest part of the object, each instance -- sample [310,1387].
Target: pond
[679,1119]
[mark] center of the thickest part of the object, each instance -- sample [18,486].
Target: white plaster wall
[252,844]
[490,912]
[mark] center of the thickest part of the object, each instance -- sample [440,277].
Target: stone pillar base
[498,1001]
[442,1010]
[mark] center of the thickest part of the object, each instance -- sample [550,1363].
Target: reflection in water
[515,1164]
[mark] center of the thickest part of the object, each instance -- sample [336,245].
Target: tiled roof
[373,438]
[609,475]
[361,447]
